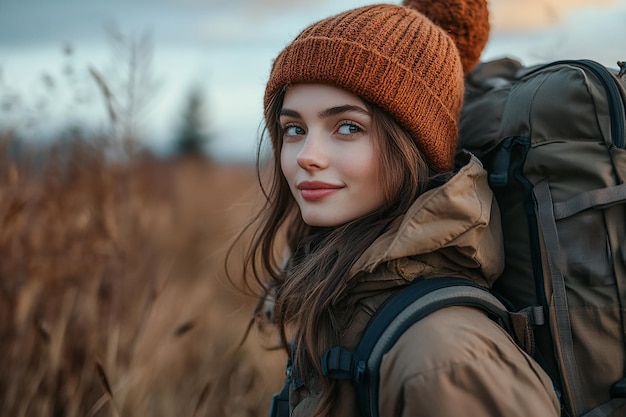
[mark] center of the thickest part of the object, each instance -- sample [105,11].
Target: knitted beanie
[397,58]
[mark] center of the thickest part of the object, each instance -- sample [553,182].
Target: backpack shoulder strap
[279,407]
[403,309]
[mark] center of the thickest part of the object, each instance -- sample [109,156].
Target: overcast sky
[226,47]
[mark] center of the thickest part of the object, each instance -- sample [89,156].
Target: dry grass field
[113,297]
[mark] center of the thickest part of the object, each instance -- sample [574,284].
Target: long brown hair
[308,291]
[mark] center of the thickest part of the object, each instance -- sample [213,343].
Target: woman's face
[328,155]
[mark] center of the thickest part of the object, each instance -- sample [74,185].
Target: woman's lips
[316,190]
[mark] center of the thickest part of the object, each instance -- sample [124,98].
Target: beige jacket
[456,362]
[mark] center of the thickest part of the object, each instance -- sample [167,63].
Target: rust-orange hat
[397,58]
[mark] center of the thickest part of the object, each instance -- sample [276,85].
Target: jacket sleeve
[457,362]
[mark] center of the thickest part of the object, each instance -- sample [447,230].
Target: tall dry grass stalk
[113,300]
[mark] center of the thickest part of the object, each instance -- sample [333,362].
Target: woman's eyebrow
[290,113]
[332,111]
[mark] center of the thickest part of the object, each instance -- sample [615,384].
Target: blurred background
[127,137]
[219,52]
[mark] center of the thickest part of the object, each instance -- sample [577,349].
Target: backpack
[552,138]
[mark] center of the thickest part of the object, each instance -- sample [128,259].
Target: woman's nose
[313,154]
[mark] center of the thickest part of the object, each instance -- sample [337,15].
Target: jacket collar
[453,229]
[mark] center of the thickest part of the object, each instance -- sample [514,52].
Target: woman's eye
[349,129]
[293,130]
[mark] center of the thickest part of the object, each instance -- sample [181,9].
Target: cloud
[520,15]
[260,23]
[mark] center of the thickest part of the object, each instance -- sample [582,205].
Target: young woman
[361,109]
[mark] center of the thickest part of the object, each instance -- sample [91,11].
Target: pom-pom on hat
[397,58]
[466,21]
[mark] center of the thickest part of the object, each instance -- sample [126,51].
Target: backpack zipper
[616,105]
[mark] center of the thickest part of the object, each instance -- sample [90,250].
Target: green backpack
[553,139]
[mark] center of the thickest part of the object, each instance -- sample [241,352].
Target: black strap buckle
[337,363]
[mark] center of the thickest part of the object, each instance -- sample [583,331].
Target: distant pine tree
[192,137]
